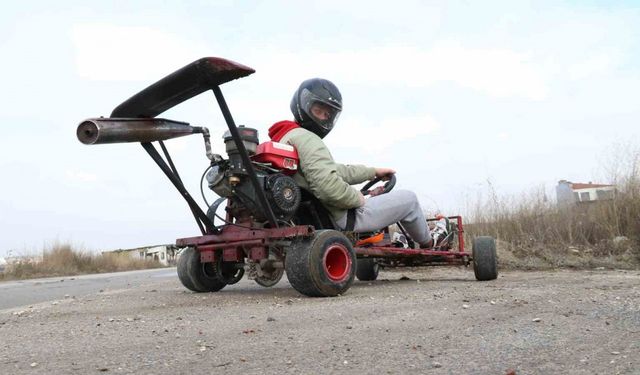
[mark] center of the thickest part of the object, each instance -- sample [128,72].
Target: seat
[312,212]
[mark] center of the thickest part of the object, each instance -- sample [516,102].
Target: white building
[165,254]
[574,192]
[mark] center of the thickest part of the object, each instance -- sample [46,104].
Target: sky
[457,97]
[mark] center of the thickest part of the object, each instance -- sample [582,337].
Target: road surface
[27,292]
[426,321]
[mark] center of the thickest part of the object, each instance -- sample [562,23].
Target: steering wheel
[388,186]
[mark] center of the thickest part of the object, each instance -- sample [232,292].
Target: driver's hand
[384,173]
[377,191]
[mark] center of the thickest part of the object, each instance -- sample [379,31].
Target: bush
[534,232]
[62,259]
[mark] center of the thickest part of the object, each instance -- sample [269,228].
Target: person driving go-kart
[316,106]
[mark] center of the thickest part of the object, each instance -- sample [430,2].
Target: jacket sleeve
[321,173]
[355,174]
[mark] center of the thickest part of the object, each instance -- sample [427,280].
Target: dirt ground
[435,321]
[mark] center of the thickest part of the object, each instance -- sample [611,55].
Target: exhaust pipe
[96,131]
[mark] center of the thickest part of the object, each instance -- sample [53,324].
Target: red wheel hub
[337,262]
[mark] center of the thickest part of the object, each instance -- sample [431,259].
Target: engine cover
[279,155]
[283,195]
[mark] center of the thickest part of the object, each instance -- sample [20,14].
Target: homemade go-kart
[270,225]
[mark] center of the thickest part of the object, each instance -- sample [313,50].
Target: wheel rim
[337,262]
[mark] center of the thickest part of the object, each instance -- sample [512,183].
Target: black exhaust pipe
[101,130]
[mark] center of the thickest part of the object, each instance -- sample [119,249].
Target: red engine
[279,155]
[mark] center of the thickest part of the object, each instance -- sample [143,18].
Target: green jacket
[329,181]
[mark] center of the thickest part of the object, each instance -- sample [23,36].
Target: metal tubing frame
[398,252]
[460,228]
[235,237]
[389,251]
[460,233]
[195,213]
[235,234]
[169,160]
[204,223]
[410,240]
[245,156]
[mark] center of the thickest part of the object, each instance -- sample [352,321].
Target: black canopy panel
[183,84]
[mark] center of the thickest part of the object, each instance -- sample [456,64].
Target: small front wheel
[367,269]
[485,260]
[321,266]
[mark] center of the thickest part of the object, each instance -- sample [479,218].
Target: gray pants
[386,209]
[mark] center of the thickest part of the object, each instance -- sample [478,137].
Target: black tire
[183,273]
[203,276]
[367,269]
[485,260]
[232,276]
[321,266]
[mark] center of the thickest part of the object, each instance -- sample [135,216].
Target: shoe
[439,233]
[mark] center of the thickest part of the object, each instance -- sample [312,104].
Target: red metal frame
[383,250]
[236,235]
[236,238]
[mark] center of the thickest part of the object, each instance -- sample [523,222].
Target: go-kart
[270,225]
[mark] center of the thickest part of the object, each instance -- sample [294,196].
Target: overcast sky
[450,94]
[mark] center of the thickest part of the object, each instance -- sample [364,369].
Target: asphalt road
[424,321]
[28,292]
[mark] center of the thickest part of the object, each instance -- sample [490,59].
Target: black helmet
[328,100]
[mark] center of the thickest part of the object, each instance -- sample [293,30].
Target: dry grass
[533,232]
[64,260]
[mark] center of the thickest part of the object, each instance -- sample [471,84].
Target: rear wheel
[367,269]
[485,260]
[321,266]
[183,273]
[205,277]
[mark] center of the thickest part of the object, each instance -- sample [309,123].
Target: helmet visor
[323,112]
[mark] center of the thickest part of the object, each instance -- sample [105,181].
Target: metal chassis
[235,243]
[383,250]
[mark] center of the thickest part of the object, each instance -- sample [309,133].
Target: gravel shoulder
[430,320]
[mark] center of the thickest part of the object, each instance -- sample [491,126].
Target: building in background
[165,254]
[574,192]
